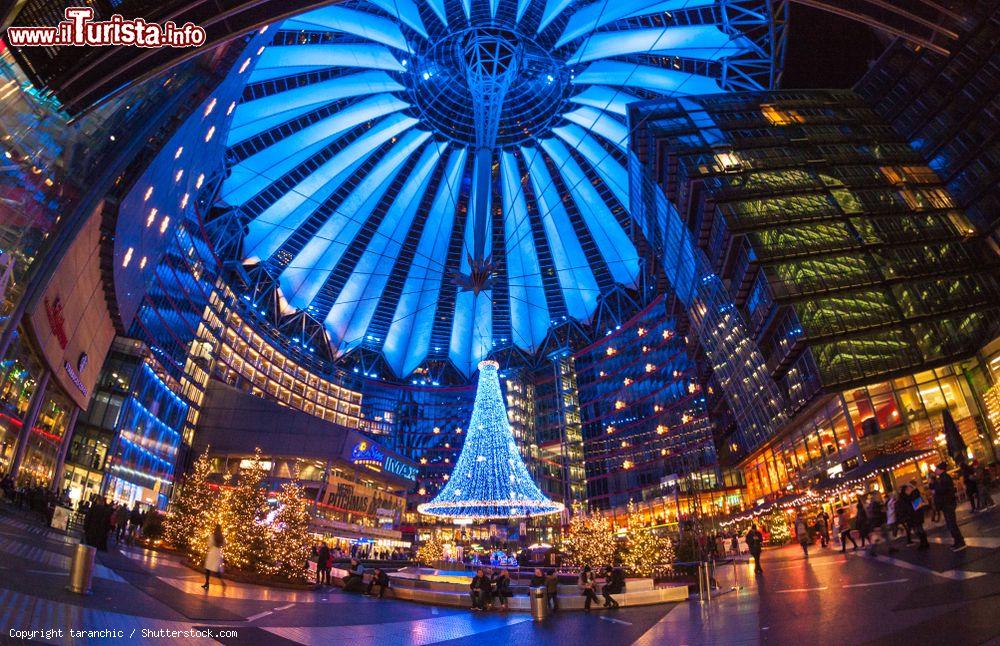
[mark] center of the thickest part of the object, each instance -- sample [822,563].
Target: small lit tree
[289,537]
[644,549]
[431,550]
[589,540]
[243,510]
[193,510]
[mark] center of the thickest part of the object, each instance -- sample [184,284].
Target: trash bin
[81,569]
[539,608]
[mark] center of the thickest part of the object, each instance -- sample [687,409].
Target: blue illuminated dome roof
[432,180]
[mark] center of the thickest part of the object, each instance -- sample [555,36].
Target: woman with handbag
[213,559]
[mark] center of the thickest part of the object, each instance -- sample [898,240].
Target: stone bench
[638,592]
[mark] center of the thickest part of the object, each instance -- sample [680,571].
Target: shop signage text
[371,456]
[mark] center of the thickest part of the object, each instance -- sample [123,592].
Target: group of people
[614,583]
[977,481]
[103,520]
[489,585]
[902,511]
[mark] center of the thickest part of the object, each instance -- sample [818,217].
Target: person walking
[586,584]
[946,501]
[323,564]
[134,522]
[918,506]
[552,589]
[932,482]
[755,543]
[802,532]
[983,478]
[823,523]
[971,485]
[845,525]
[861,521]
[213,559]
[614,583]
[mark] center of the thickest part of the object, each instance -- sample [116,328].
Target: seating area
[450,588]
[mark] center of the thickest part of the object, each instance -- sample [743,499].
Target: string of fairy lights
[490,479]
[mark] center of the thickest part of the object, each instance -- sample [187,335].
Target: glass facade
[126,444]
[858,277]
[843,251]
[643,411]
[947,107]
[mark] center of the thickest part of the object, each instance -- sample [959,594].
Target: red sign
[53,311]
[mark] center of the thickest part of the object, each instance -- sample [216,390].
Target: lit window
[201,180]
[165,223]
[177,154]
[244,66]
[210,107]
[149,193]
[151,218]
[208,135]
[728,161]
[142,263]
[128,257]
[778,117]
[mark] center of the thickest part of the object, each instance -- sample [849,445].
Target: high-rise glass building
[861,281]
[947,107]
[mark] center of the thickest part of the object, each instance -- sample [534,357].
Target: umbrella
[953,439]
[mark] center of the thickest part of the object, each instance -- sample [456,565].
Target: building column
[63,449]
[34,407]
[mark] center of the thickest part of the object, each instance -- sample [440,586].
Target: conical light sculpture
[490,479]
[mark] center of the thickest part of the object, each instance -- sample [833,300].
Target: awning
[884,463]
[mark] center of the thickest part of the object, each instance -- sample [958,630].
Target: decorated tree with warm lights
[644,549]
[589,540]
[431,550]
[244,508]
[289,537]
[777,526]
[193,511]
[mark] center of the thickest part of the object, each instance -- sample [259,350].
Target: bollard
[736,576]
[539,605]
[704,582]
[81,569]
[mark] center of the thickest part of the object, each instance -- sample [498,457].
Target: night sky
[827,51]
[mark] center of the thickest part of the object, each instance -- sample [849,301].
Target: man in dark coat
[946,502]
[614,583]
[323,564]
[755,543]
[91,523]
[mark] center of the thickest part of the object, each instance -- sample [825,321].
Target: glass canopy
[432,180]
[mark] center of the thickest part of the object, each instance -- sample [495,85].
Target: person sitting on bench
[380,579]
[355,578]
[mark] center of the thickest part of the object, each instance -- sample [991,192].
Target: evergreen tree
[192,513]
[431,550]
[243,510]
[590,539]
[290,543]
[643,547]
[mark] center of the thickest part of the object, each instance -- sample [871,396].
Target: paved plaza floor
[932,597]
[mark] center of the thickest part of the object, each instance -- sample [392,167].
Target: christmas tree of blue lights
[490,479]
